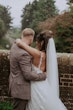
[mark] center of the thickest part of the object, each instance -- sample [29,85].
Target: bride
[44,94]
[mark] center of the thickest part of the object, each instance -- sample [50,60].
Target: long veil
[52,67]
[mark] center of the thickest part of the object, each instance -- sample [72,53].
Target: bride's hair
[43,37]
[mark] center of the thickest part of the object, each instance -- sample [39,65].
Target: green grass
[6,106]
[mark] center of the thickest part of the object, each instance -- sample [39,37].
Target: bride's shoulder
[43,55]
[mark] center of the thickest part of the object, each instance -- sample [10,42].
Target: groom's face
[28,39]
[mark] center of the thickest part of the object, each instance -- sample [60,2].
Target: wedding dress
[45,94]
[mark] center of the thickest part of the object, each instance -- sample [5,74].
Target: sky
[18,5]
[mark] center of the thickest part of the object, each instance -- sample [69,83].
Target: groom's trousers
[19,104]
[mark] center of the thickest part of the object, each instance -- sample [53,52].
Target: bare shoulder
[43,65]
[43,55]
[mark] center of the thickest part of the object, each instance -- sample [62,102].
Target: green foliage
[4,43]
[70,1]
[63,29]
[15,33]
[62,26]
[64,32]
[12,34]
[6,106]
[5,19]
[64,41]
[2,28]
[36,12]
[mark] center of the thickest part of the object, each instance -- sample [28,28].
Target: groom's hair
[28,32]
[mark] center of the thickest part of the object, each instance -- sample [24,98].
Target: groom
[21,73]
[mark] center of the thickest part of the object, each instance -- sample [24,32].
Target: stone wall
[65,64]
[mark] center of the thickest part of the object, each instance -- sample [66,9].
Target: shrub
[62,26]
[6,106]
[4,43]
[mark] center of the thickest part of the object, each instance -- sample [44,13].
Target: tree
[5,19]
[47,8]
[62,26]
[70,1]
[26,19]
[36,12]
[2,28]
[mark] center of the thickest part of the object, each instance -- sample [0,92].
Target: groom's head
[28,35]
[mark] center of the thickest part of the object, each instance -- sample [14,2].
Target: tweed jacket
[21,73]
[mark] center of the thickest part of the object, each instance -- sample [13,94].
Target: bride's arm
[34,52]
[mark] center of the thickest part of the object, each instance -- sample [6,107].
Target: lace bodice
[34,68]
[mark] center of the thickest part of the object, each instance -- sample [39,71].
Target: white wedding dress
[45,94]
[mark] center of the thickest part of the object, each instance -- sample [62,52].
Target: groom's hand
[26,68]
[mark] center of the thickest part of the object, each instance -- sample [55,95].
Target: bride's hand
[18,42]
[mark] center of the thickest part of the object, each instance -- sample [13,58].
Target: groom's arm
[26,68]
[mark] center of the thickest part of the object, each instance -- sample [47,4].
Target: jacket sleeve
[26,68]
